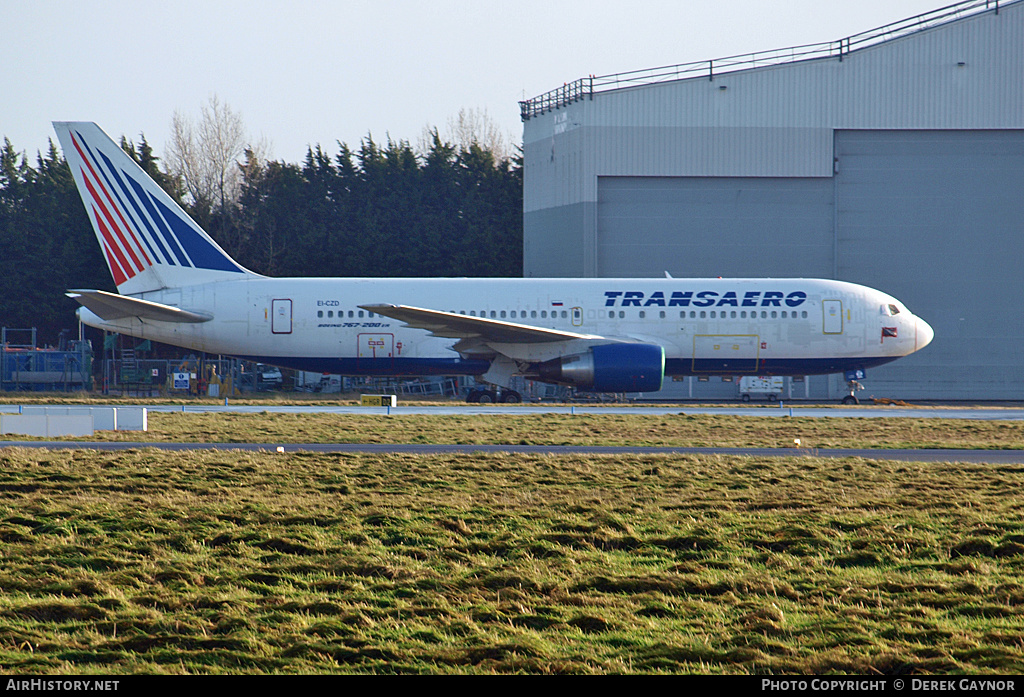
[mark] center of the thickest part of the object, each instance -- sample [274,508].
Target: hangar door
[714,226]
[934,219]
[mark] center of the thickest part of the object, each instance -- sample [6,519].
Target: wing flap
[110,306]
[454,326]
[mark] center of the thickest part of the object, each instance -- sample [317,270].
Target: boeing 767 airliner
[176,285]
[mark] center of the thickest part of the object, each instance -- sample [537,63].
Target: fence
[26,367]
[587,87]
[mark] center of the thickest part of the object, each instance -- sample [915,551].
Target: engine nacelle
[609,368]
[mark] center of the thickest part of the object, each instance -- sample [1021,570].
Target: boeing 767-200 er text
[176,285]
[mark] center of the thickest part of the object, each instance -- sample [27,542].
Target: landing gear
[493,397]
[854,387]
[481,397]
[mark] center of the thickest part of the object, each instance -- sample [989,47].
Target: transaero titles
[703,298]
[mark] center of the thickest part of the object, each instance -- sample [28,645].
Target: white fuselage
[178,286]
[706,326]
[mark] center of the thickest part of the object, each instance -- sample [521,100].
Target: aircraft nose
[925,334]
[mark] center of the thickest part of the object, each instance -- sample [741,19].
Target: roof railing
[585,88]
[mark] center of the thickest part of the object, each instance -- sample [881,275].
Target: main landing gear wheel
[493,396]
[853,386]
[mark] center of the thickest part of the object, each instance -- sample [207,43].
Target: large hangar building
[892,158]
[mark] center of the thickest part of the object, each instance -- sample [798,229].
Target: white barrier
[103,418]
[47,425]
[132,419]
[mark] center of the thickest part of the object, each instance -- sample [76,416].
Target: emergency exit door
[281,316]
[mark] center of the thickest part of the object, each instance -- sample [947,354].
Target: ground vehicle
[268,375]
[771,387]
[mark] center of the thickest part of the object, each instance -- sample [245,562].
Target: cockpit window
[890,310]
[893,310]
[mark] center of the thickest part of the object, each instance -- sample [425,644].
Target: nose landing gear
[853,378]
[854,387]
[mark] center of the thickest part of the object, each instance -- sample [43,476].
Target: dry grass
[231,562]
[565,429]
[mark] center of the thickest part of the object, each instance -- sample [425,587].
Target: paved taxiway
[777,411]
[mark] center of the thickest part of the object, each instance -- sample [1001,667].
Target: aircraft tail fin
[148,241]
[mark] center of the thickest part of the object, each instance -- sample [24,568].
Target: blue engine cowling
[609,368]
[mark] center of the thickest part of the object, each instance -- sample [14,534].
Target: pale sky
[304,72]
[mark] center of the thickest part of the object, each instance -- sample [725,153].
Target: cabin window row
[621,314]
[341,313]
[514,314]
[718,314]
[611,314]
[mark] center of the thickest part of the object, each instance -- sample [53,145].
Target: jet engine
[608,368]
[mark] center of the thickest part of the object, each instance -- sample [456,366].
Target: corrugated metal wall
[778,121]
[801,170]
[714,226]
[936,218]
[696,128]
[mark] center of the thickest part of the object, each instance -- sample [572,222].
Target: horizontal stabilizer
[110,306]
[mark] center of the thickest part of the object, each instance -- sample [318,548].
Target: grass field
[565,429]
[235,562]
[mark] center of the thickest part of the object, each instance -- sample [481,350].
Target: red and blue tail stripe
[136,228]
[115,246]
[140,216]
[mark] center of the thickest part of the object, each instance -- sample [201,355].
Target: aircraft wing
[455,326]
[110,306]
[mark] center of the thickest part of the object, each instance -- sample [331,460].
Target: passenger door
[281,316]
[832,322]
